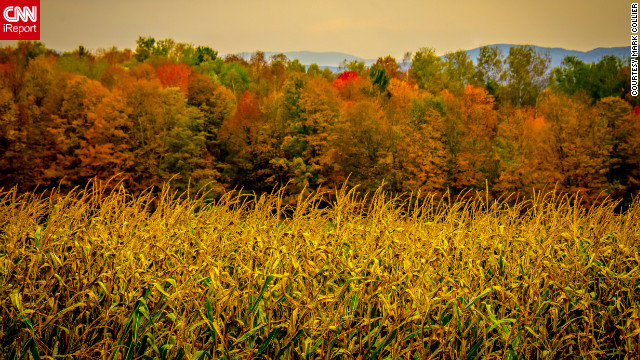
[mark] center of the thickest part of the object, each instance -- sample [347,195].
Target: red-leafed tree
[174,75]
[345,78]
[350,85]
[243,139]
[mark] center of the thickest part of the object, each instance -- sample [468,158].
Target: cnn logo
[15,13]
[20,20]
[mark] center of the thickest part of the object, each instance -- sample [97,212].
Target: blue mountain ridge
[332,60]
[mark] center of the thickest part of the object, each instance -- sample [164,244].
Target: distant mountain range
[332,60]
[329,60]
[558,54]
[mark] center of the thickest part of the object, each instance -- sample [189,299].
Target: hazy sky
[365,28]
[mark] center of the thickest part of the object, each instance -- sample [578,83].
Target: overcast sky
[365,28]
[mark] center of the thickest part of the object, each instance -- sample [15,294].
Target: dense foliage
[175,111]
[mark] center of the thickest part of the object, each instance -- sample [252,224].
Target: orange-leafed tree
[621,127]
[425,160]
[319,112]
[524,150]
[28,80]
[105,149]
[12,138]
[582,150]
[358,145]
[69,109]
[390,66]
[471,129]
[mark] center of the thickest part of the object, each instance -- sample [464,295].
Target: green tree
[314,70]
[205,53]
[458,71]
[606,79]
[295,66]
[379,77]
[235,76]
[526,75]
[490,66]
[355,65]
[426,70]
[215,102]
[144,48]
[572,76]
[164,47]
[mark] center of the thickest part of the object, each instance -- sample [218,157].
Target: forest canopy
[175,111]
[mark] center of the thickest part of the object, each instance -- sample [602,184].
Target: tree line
[179,112]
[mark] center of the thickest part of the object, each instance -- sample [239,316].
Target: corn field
[104,274]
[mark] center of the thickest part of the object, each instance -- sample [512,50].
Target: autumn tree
[582,153]
[215,102]
[35,105]
[242,139]
[359,144]
[178,111]
[349,85]
[174,75]
[291,134]
[112,76]
[621,131]
[278,65]
[390,66]
[114,56]
[104,149]
[523,147]
[425,159]
[12,138]
[471,128]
